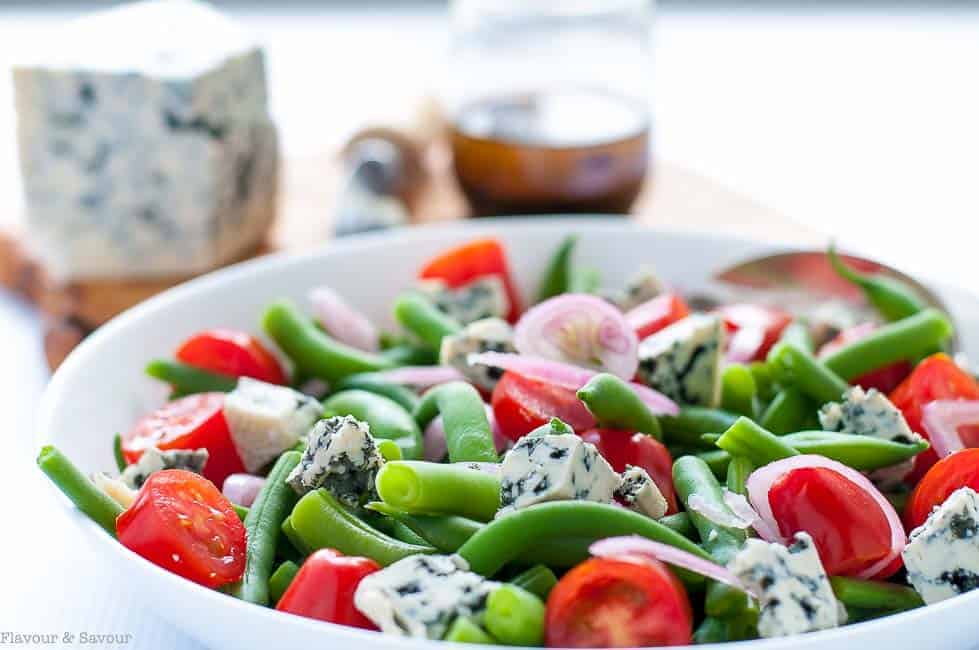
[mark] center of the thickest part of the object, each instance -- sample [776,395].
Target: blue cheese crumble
[640,493]
[421,595]
[867,413]
[486,335]
[683,361]
[942,555]
[484,297]
[153,460]
[341,456]
[548,467]
[791,585]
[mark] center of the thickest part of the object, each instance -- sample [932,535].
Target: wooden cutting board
[673,198]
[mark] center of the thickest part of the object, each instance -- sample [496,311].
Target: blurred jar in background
[548,102]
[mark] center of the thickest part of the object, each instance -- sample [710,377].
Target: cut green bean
[745,438]
[93,502]
[241,511]
[679,522]
[321,522]
[263,525]
[464,630]
[686,428]
[387,419]
[738,389]
[585,279]
[788,412]
[296,542]
[421,487]
[281,578]
[717,460]
[557,275]
[738,472]
[374,383]
[411,355]
[903,340]
[892,298]
[793,366]
[711,630]
[389,450]
[188,380]
[538,580]
[872,594]
[514,616]
[406,534]
[468,435]
[616,406]
[863,453]
[311,350]
[797,333]
[117,454]
[764,382]
[424,320]
[445,532]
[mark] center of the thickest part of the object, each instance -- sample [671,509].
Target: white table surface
[857,123]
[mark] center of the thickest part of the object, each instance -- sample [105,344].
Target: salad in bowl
[589,466]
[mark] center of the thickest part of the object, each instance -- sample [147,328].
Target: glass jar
[548,104]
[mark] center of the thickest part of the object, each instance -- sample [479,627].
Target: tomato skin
[621,448]
[849,528]
[960,469]
[233,353]
[654,315]
[182,523]
[520,405]
[618,602]
[461,265]
[192,422]
[935,378]
[883,379]
[324,588]
[745,319]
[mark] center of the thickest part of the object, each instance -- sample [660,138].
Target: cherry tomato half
[849,528]
[230,352]
[621,448]
[759,326]
[192,422]
[654,315]
[520,405]
[182,523]
[961,469]
[324,588]
[884,379]
[461,265]
[935,378]
[618,603]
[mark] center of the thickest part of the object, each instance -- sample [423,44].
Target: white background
[858,123]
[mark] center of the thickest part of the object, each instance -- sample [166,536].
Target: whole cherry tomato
[230,352]
[324,588]
[520,405]
[621,448]
[461,265]
[961,469]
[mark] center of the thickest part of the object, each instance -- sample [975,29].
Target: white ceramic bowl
[100,389]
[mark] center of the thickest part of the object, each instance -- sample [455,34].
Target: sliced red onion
[633,545]
[761,481]
[567,376]
[343,322]
[421,377]
[941,420]
[242,488]
[711,512]
[744,344]
[579,329]
[739,506]
[435,446]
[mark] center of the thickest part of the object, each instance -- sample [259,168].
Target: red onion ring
[242,488]
[434,438]
[342,321]
[744,344]
[420,377]
[941,420]
[762,479]
[739,506]
[580,329]
[715,514]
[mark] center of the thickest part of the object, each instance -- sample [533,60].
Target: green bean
[241,511]
[418,315]
[585,279]
[120,459]
[738,472]
[406,534]
[892,298]
[872,594]
[374,383]
[862,453]
[679,522]
[321,522]
[903,340]
[538,580]
[289,532]
[311,350]
[764,382]
[389,450]
[717,460]
[693,421]
[421,487]
[793,366]
[445,532]
[515,616]
[711,630]
[745,438]
[263,525]
[93,502]
[557,275]
[281,578]
[464,630]
[788,412]
[797,333]
[188,380]
[616,406]
[411,355]
[898,499]
[738,389]
[468,435]
[507,537]
[386,418]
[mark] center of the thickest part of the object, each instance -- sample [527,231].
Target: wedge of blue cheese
[639,492]
[486,335]
[266,419]
[146,146]
[153,460]
[547,467]
[942,555]
[484,297]
[421,595]
[340,456]
[791,585]
[683,361]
